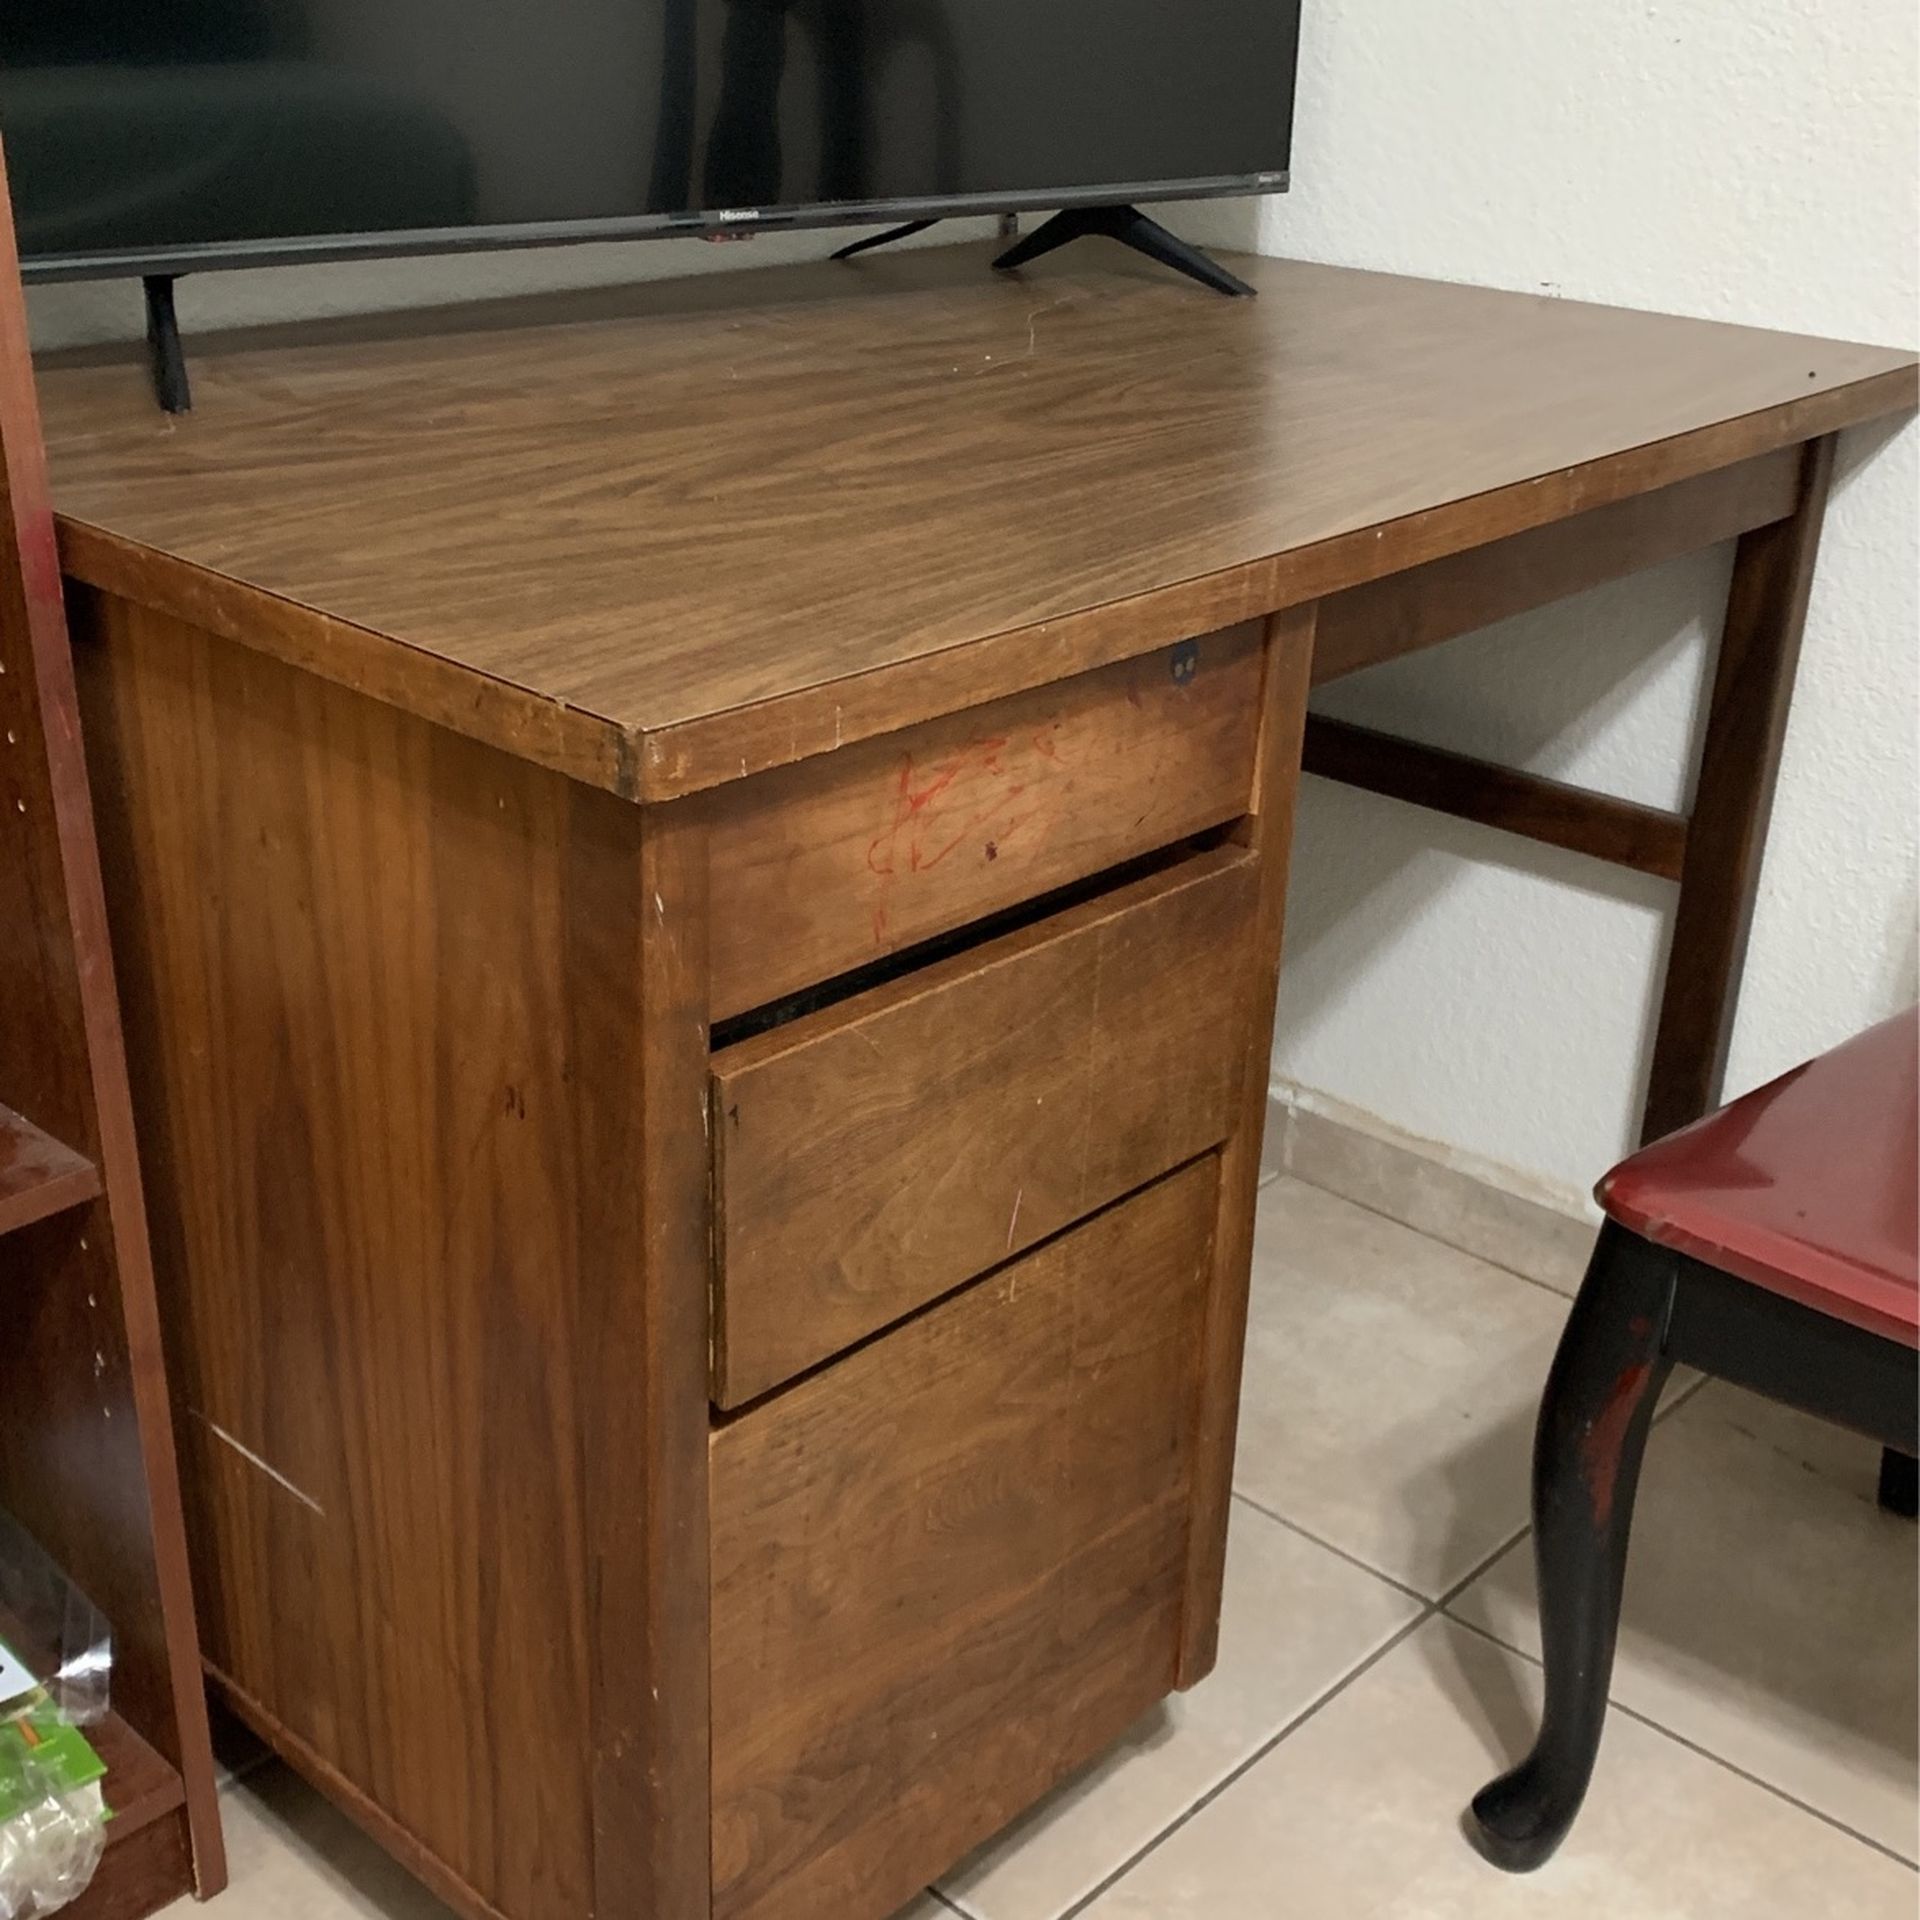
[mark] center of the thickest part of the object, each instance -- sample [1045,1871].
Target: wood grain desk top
[665,535]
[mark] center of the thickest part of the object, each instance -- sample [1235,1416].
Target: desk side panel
[359,1020]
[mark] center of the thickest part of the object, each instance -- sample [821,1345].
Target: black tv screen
[155,135]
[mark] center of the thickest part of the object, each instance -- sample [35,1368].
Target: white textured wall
[1744,161]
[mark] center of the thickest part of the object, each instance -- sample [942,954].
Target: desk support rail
[1713,853]
[1618,831]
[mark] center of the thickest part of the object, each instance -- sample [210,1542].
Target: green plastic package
[52,1813]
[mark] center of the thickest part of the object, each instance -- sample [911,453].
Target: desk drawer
[825,866]
[948,1570]
[876,1154]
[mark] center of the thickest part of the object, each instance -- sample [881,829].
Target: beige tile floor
[1378,1649]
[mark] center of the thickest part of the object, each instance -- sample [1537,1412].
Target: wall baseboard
[1449,1196]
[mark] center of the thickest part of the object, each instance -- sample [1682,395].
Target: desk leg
[1739,763]
[1268,828]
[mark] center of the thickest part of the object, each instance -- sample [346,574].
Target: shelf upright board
[86,1446]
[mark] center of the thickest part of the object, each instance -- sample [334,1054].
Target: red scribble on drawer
[970,799]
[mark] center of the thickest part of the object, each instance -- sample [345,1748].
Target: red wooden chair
[1772,1244]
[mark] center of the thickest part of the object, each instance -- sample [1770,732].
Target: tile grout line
[1407,1226]
[1499,1266]
[1429,1609]
[1681,1398]
[1288,1110]
[1779,1793]
[1453,1592]
[1246,1766]
[1445,1603]
[1694,1747]
[1352,1559]
[1466,1580]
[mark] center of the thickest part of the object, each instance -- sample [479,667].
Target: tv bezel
[406,243]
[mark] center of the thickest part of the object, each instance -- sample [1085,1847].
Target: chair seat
[1806,1186]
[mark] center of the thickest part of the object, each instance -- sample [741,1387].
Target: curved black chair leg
[1599,1401]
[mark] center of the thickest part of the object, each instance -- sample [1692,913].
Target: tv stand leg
[881,239]
[169,360]
[1132,229]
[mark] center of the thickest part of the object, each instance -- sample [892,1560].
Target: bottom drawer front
[947,1571]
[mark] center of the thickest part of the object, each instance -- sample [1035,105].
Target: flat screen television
[159,136]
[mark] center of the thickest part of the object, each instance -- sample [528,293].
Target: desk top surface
[664,535]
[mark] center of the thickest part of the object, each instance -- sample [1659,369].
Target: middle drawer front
[877,1154]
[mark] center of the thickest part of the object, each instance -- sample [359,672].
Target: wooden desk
[699,875]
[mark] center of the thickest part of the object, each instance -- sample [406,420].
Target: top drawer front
[876,1154]
[824,866]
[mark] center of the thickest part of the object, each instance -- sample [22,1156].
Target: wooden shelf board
[38,1176]
[141,1787]
[148,1862]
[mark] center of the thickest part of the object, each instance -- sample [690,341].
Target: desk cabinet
[763,1246]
